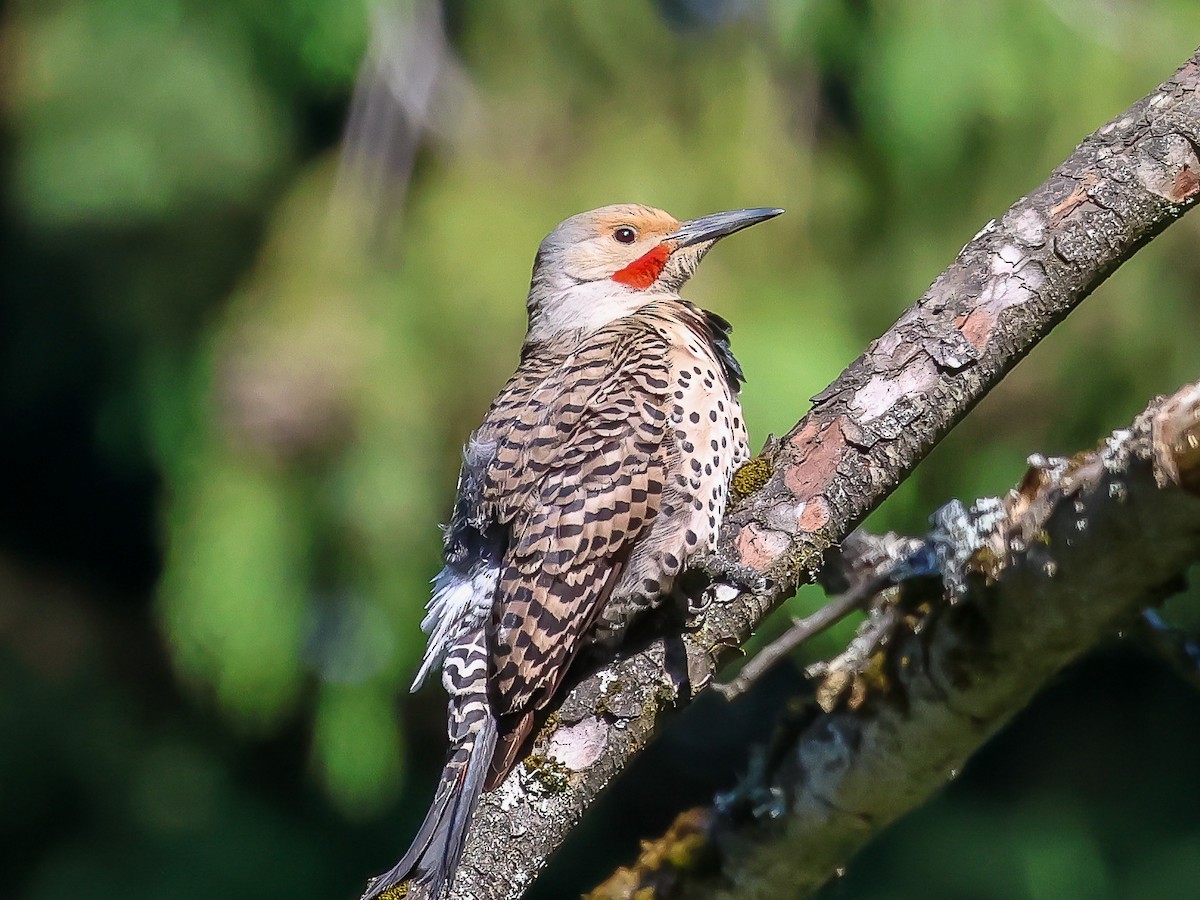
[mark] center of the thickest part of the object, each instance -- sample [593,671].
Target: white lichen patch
[1055,467]
[1115,454]
[1014,279]
[1007,259]
[784,516]
[1028,226]
[880,394]
[510,794]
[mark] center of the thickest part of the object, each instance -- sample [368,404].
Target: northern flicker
[601,469]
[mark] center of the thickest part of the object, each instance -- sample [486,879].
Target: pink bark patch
[758,548]
[976,326]
[813,516]
[818,453]
[578,746]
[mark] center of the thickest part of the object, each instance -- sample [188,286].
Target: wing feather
[577,481]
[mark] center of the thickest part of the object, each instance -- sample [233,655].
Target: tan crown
[585,247]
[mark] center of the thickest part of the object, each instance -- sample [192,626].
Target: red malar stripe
[644,271]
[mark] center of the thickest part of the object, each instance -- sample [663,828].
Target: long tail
[430,862]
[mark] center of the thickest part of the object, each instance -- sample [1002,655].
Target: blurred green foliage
[230,422]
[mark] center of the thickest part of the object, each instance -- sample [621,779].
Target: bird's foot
[746,579]
[724,580]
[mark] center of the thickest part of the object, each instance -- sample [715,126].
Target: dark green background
[229,425]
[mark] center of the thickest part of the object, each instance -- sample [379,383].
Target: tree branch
[1010,285]
[1075,552]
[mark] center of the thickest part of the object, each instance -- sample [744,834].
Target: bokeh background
[237,363]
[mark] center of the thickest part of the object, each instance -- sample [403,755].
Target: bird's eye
[625,235]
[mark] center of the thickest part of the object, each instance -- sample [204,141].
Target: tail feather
[430,862]
[468,797]
[509,746]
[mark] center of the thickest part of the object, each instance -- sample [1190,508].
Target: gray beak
[718,225]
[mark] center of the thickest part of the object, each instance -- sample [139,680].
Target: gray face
[599,266]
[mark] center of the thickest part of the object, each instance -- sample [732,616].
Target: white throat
[582,307]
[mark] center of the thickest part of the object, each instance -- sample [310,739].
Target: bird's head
[601,265]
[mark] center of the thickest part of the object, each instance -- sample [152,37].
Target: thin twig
[802,629]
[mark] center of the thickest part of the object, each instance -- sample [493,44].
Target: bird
[600,470]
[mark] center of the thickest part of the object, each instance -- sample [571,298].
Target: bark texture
[1020,276]
[1066,559]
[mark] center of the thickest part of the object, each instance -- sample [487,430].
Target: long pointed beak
[719,225]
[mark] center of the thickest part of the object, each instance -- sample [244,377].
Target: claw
[746,579]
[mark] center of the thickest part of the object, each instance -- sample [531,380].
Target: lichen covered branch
[1029,582]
